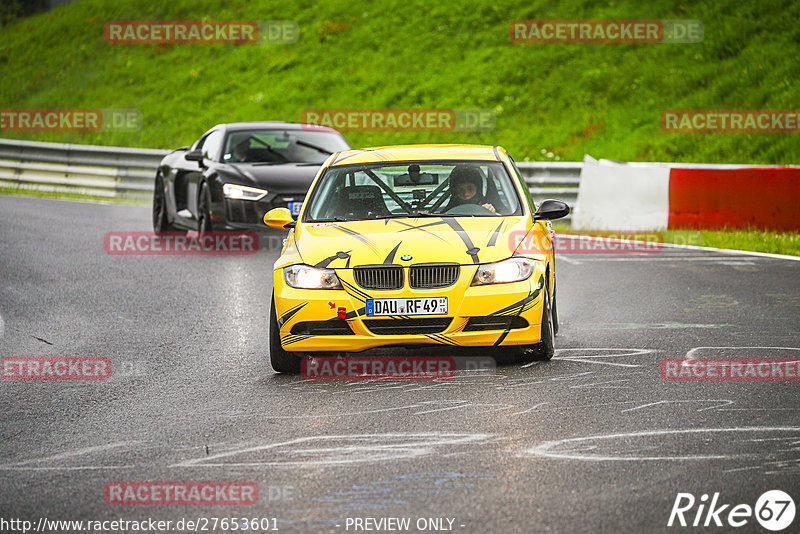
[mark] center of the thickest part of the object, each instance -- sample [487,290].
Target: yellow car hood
[463,240]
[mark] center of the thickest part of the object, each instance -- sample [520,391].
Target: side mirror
[551,209]
[194,155]
[279,218]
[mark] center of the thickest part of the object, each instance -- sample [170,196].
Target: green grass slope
[563,99]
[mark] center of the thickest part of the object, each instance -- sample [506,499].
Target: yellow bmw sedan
[416,244]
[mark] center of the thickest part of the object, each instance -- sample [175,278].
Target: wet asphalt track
[593,441]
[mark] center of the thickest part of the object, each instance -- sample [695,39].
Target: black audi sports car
[235,173]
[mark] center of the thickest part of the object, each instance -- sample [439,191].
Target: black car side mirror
[194,155]
[551,209]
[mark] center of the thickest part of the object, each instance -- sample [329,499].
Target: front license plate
[407,306]
[294,207]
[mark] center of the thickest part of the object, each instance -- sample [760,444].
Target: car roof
[256,125]
[417,153]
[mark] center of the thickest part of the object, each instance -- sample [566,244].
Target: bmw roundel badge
[406,257]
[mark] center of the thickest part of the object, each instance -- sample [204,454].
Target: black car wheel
[555,309]
[545,349]
[282,361]
[160,223]
[204,210]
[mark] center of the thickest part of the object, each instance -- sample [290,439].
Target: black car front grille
[394,327]
[433,275]
[334,327]
[379,277]
[494,322]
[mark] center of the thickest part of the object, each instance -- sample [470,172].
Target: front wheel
[555,309]
[545,349]
[204,224]
[160,222]
[282,361]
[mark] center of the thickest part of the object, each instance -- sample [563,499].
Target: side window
[212,145]
[531,203]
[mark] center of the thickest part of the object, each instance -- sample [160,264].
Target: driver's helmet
[468,174]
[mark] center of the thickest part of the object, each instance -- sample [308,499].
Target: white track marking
[695,247]
[568,260]
[690,353]
[725,402]
[545,449]
[362,448]
[721,260]
[24,465]
[535,406]
[583,359]
[691,357]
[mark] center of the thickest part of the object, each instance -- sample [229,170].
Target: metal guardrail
[87,169]
[118,171]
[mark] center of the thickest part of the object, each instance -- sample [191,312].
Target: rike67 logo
[774,510]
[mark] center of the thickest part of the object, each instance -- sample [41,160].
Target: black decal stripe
[294,339]
[390,257]
[438,341]
[339,255]
[472,250]
[324,263]
[445,340]
[493,239]
[354,292]
[420,228]
[289,314]
[358,236]
[502,337]
[531,295]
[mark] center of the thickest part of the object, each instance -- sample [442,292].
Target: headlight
[503,272]
[242,192]
[307,277]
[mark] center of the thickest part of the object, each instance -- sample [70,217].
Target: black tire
[544,350]
[204,223]
[282,361]
[555,309]
[160,223]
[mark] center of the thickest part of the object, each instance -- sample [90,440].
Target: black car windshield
[281,146]
[413,189]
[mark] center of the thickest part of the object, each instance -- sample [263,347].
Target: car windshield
[281,146]
[413,189]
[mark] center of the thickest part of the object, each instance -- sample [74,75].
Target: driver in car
[240,151]
[465,185]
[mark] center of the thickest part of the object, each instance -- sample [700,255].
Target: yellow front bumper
[297,308]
